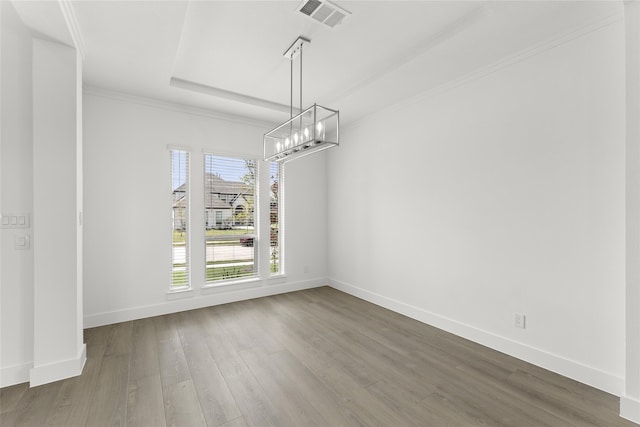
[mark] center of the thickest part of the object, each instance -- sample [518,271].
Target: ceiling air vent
[324,12]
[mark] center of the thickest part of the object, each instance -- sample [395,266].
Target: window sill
[277,278]
[179,293]
[226,285]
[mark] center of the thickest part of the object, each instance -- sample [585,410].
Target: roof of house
[214,186]
[212,201]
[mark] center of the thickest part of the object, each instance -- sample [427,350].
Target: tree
[246,215]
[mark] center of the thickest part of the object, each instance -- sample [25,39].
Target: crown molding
[448,32]
[536,49]
[69,14]
[175,107]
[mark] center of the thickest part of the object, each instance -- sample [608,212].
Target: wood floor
[311,358]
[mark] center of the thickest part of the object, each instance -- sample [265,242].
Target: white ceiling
[231,51]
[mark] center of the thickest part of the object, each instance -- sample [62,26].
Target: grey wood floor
[312,358]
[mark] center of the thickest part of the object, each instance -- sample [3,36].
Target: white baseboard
[630,409]
[569,368]
[200,299]
[51,372]
[17,374]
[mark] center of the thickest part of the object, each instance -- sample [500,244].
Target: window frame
[173,288]
[280,213]
[255,276]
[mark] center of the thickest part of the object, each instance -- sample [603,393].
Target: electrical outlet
[519,320]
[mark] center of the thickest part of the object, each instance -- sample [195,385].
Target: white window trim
[173,290]
[281,226]
[224,285]
[180,293]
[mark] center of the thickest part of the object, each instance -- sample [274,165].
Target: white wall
[41,290]
[503,194]
[127,207]
[16,154]
[630,401]
[59,351]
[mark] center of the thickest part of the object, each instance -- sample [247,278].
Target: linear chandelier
[313,130]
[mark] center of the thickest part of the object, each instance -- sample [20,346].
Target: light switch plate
[22,243]
[15,220]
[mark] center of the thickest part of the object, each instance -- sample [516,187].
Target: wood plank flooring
[311,358]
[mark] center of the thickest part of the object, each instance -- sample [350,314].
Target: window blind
[230,218]
[180,194]
[275,218]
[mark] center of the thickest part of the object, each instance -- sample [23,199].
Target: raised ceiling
[226,56]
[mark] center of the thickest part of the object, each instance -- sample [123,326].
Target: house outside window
[230,186]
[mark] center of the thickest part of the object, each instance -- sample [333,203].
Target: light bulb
[278,146]
[295,138]
[306,134]
[286,143]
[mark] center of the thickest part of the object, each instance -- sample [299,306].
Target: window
[230,202]
[180,220]
[275,218]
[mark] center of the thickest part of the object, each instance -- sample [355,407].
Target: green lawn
[214,271]
[179,279]
[219,273]
[229,272]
